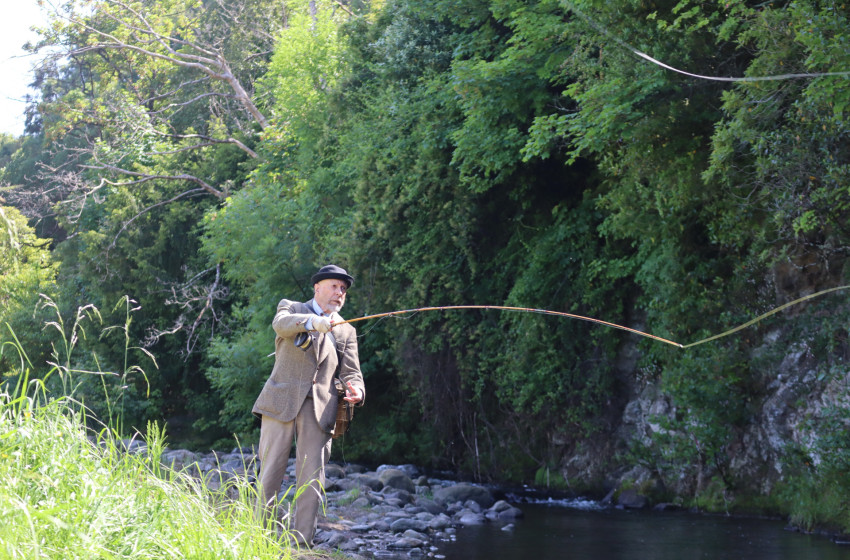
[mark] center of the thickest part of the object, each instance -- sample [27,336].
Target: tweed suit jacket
[298,373]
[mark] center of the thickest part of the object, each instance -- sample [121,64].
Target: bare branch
[190,101]
[175,90]
[210,62]
[345,8]
[197,301]
[144,177]
[258,55]
[163,40]
[208,306]
[126,224]
[209,141]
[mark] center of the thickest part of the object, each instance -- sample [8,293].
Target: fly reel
[303,340]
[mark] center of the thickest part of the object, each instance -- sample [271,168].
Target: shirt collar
[317,309]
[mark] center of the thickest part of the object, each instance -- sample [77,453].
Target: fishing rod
[507,308]
[594,320]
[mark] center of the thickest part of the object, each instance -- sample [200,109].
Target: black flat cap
[333,271]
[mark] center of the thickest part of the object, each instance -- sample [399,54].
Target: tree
[147,117]
[145,83]
[26,272]
[268,235]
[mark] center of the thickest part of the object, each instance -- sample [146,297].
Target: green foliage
[816,489]
[779,142]
[713,497]
[76,370]
[488,152]
[25,262]
[8,146]
[238,368]
[711,388]
[146,120]
[305,66]
[68,497]
[435,160]
[75,491]
[546,477]
[27,271]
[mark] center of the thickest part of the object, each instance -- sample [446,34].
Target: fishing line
[414,312]
[723,334]
[768,314]
[645,56]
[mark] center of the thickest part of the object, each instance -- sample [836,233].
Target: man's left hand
[352,395]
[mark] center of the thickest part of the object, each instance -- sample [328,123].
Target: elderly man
[299,399]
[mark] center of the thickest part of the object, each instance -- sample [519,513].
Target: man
[299,399]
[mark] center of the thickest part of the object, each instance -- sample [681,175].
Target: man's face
[330,294]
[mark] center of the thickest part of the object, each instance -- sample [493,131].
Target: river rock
[403,496]
[472,518]
[361,502]
[397,479]
[440,522]
[369,481]
[463,492]
[411,534]
[428,505]
[410,470]
[405,542]
[407,524]
[133,446]
[512,512]
[332,538]
[502,510]
[630,499]
[334,471]
[177,459]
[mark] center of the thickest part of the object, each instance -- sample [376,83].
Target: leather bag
[344,411]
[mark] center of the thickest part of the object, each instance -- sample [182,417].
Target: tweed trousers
[312,451]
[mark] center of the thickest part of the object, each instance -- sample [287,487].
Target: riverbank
[396,511]
[390,513]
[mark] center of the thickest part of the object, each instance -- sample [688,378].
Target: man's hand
[352,395]
[322,324]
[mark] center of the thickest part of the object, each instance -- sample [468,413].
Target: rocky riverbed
[390,513]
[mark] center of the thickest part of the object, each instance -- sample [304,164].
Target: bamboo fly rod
[593,320]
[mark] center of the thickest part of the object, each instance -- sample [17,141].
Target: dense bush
[495,152]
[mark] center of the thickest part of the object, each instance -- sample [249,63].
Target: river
[582,530]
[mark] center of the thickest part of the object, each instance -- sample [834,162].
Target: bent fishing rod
[592,319]
[508,308]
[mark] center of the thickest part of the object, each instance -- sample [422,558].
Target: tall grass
[68,491]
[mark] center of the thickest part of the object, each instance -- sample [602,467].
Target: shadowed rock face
[788,387]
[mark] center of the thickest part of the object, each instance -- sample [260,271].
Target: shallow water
[583,530]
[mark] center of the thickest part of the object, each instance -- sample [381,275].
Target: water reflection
[589,532]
